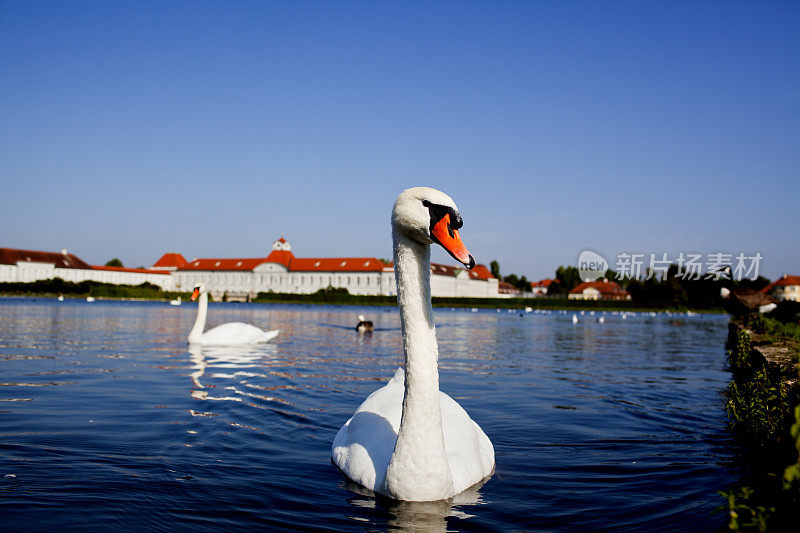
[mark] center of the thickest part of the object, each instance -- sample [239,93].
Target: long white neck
[200,321]
[418,469]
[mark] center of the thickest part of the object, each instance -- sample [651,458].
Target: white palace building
[244,278]
[26,266]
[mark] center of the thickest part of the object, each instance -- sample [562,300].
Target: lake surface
[108,420]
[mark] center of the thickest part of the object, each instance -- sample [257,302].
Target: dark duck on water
[363,325]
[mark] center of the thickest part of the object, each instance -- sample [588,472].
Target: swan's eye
[437,213]
[455,220]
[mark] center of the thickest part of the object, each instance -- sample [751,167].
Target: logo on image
[591,266]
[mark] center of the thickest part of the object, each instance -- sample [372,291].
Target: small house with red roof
[598,290]
[539,288]
[784,288]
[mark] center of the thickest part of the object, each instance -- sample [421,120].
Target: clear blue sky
[130,129]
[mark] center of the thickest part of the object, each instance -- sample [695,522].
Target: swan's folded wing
[363,446]
[234,333]
[470,453]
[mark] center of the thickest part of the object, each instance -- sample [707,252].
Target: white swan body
[364,445]
[230,334]
[408,440]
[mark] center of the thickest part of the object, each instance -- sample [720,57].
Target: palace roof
[311,264]
[136,270]
[236,263]
[11,256]
[170,260]
[336,264]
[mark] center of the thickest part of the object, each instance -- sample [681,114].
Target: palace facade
[243,278]
[282,272]
[26,266]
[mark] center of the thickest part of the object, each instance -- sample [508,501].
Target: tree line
[673,289]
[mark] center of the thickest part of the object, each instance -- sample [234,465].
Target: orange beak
[195,294]
[451,241]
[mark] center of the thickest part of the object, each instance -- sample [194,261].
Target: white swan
[408,440]
[228,334]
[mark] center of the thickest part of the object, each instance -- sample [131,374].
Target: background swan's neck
[200,321]
[418,469]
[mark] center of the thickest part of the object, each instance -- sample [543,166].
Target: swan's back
[236,333]
[364,445]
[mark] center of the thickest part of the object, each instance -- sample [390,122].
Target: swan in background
[176,301]
[60,297]
[574,318]
[90,298]
[363,325]
[229,334]
[408,440]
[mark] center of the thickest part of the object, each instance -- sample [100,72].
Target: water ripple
[596,426]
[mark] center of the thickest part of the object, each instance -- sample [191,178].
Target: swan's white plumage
[235,333]
[408,440]
[364,445]
[230,334]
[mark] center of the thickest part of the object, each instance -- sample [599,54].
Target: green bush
[740,355]
[763,409]
[758,407]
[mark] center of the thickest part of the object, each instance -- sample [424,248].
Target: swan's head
[199,289]
[429,216]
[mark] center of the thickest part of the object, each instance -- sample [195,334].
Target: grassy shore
[58,287]
[763,406]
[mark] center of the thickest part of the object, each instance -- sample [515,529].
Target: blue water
[108,420]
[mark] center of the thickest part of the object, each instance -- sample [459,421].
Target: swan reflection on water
[225,357]
[416,516]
